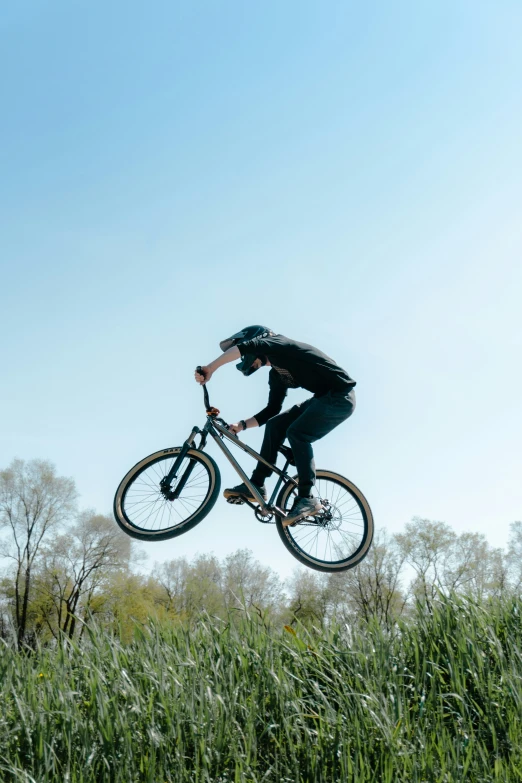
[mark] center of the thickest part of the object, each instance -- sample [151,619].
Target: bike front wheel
[142,509]
[337,538]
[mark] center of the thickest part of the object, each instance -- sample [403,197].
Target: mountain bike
[171,491]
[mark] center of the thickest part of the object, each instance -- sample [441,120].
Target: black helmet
[248,333]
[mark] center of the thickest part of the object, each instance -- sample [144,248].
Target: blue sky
[347,173]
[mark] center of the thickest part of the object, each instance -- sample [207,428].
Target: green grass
[440,701]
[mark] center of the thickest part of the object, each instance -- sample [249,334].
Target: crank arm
[256,506]
[240,501]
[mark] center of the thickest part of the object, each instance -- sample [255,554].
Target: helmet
[248,333]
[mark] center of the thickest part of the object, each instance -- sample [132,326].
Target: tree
[309,597]
[190,589]
[373,589]
[425,545]
[499,582]
[172,576]
[76,565]
[514,556]
[445,561]
[472,566]
[247,583]
[125,599]
[34,502]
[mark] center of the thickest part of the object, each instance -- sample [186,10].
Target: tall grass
[440,700]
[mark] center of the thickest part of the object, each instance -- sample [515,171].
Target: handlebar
[208,407]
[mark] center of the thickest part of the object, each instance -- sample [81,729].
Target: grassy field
[441,700]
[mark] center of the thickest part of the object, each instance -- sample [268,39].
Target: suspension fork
[166,481]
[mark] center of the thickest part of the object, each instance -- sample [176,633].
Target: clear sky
[349,174]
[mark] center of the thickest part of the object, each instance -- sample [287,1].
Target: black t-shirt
[295,365]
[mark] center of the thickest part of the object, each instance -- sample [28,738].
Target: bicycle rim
[339,537]
[142,507]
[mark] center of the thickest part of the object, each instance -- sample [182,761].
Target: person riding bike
[293,365]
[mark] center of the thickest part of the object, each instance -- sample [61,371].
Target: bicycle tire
[289,535]
[133,529]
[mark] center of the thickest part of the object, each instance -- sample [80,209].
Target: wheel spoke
[147,509]
[335,535]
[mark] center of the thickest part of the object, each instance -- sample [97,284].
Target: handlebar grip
[199,370]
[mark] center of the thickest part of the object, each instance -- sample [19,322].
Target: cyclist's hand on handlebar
[204,376]
[235,428]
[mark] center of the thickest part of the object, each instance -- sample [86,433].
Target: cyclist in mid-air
[293,365]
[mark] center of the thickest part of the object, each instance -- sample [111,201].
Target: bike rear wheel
[339,537]
[142,509]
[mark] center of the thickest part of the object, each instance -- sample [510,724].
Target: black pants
[303,424]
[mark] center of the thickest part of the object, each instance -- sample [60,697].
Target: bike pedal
[235,501]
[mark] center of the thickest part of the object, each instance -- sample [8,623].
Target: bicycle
[172,490]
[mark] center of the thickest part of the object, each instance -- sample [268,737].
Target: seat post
[278,485]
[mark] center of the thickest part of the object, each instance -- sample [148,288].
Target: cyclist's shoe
[242,492]
[303,507]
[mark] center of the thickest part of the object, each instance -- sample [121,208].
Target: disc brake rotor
[331,517]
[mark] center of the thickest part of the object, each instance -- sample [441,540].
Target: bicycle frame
[218,430]
[212,426]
